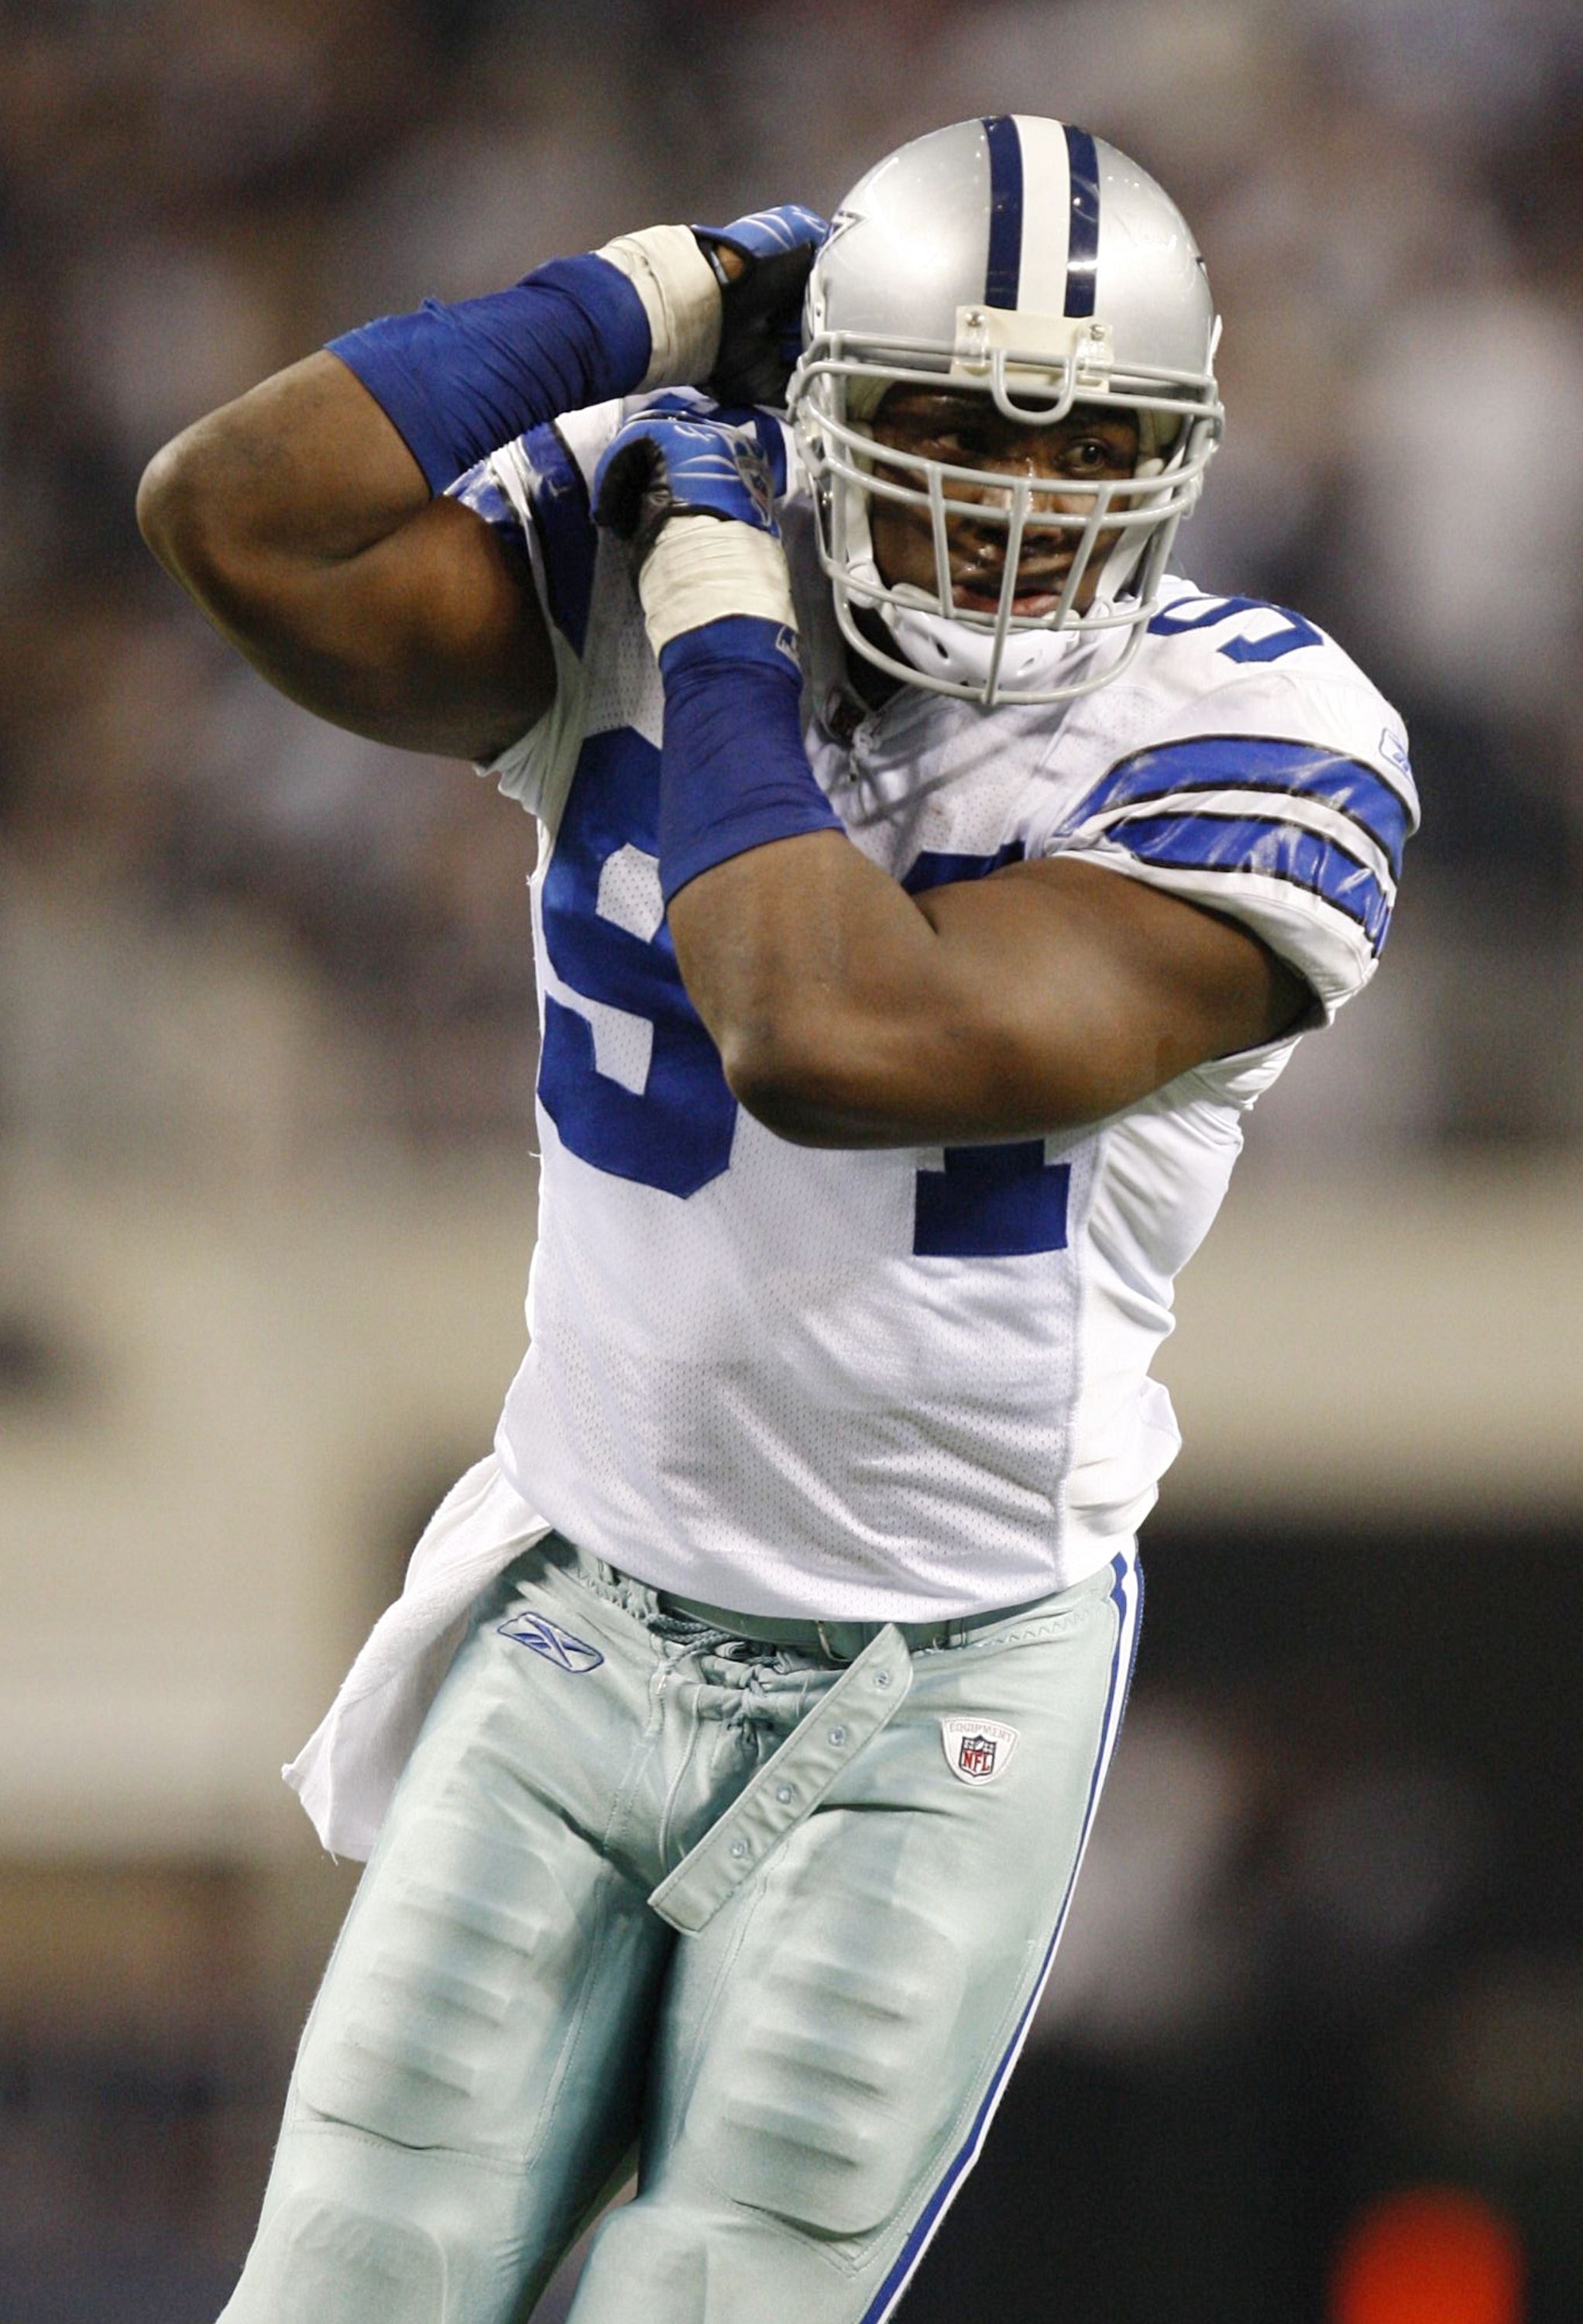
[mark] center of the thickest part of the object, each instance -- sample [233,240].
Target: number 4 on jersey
[986,1202]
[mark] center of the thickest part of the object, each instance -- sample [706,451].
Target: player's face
[1088,446]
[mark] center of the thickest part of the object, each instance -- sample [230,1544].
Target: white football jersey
[909,1383]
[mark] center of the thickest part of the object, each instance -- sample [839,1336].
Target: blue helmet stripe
[1003,273]
[1083,241]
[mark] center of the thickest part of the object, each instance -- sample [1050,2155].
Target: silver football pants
[774,1922]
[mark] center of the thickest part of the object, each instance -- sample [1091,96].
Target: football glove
[741,335]
[694,496]
[761,308]
[675,459]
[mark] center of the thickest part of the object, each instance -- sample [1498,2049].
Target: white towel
[347,1771]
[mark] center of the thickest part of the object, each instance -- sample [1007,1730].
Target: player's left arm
[1046,996]
[847,1012]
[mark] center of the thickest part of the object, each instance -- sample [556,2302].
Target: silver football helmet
[1024,261]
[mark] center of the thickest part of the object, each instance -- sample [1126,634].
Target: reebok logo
[542,1636]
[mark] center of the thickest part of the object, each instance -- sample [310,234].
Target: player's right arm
[309,519]
[303,527]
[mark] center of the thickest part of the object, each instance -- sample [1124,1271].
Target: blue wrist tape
[733,772]
[458,381]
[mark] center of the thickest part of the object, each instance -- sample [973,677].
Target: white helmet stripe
[1003,266]
[1061,191]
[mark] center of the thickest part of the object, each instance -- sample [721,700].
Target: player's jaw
[904,552]
[977,570]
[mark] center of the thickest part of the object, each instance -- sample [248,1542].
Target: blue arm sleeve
[458,381]
[734,773]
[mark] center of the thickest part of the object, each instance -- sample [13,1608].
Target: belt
[859,1705]
[838,1642]
[789,1785]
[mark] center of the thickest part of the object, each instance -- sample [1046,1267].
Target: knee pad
[451,2004]
[324,2263]
[638,2247]
[833,2085]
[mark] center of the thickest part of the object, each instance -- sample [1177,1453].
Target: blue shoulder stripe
[566,531]
[1275,851]
[1254,763]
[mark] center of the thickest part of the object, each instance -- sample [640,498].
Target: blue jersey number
[987,1201]
[676,1133]
[1293,633]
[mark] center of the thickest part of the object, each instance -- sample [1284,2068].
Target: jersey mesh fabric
[893,1383]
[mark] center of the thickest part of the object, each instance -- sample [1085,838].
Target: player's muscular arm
[308,518]
[849,1014]
[304,528]
[846,1012]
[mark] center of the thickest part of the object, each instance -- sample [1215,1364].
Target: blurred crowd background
[194,192]
[266,1055]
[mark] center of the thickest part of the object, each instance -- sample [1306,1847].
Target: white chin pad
[1032,658]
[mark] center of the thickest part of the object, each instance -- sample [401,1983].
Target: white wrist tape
[703,569]
[681,299]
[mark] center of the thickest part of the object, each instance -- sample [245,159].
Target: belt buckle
[825,1647]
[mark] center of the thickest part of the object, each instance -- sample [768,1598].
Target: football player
[929,879]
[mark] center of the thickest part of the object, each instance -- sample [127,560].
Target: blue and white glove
[695,497]
[675,459]
[761,309]
[650,310]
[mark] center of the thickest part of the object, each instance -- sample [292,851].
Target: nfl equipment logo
[977,1749]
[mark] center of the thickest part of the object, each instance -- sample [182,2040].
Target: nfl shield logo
[977,1749]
